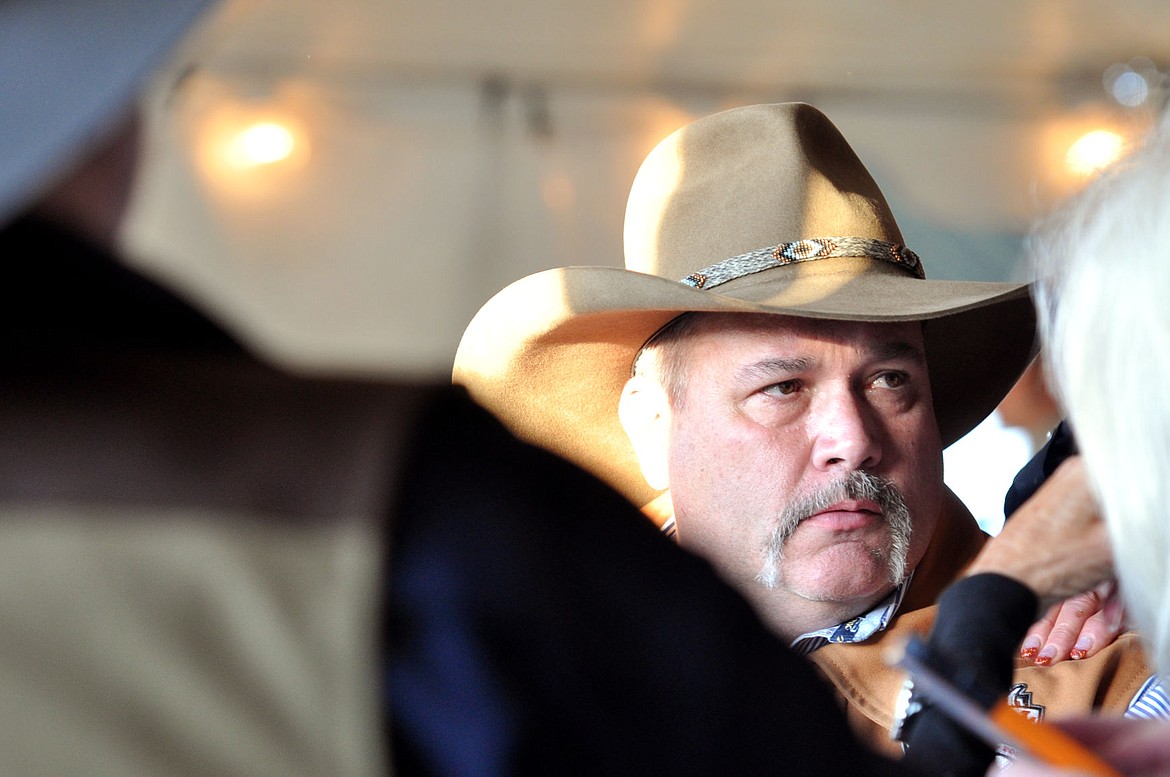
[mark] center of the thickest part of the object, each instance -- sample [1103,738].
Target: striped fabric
[1151,702]
[669,529]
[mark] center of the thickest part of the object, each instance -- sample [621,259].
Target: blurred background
[346,183]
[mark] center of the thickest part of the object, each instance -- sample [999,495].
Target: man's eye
[891,379]
[783,388]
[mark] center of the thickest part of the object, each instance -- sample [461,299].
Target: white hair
[1103,297]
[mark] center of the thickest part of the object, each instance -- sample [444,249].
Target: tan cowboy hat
[758,209]
[68,71]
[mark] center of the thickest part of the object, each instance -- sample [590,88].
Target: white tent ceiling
[459,145]
[1008,52]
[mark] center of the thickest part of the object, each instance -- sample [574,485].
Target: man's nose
[845,431]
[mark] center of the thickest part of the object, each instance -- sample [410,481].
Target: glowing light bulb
[262,143]
[1094,151]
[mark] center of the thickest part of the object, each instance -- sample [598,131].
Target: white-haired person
[1104,268]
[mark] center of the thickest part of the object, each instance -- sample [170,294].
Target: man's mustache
[857,485]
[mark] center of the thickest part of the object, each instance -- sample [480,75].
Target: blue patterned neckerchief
[858,629]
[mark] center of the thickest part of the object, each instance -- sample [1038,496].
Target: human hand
[1055,543]
[1135,748]
[1079,627]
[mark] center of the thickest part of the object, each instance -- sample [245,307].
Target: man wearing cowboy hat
[774,378]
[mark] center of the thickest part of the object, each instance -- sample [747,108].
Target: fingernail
[1081,649]
[1046,656]
[1030,648]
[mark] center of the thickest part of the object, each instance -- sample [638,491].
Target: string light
[252,151]
[261,143]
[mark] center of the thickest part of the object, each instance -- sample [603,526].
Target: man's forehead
[871,335]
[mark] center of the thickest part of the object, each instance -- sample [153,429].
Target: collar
[669,529]
[856,629]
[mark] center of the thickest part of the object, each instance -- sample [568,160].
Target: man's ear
[644,411]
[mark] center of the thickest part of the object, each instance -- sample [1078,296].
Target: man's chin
[865,597]
[861,582]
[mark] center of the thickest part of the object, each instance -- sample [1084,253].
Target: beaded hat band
[804,251]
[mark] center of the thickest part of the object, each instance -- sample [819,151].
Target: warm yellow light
[1094,151]
[251,152]
[262,143]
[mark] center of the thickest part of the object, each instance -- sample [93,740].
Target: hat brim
[68,70]
[550,353]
